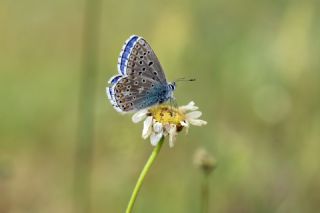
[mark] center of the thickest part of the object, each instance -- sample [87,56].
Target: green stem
[205,194]
[143,173]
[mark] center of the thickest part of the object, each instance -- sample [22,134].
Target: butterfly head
[172,86]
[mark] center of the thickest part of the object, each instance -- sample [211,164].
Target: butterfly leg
[173,102]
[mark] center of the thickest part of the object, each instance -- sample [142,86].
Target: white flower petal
[167,127]
[157,127]
[193,115]
[189,107]
[172,135]
[139,116]
[172,139]
[186,125]
[197,122]
[155,138]
[147,127]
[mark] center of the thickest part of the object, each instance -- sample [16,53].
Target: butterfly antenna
[184,79]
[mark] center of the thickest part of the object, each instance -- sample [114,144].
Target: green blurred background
[258,81]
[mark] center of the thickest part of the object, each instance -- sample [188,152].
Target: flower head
[166,120]
[204,160]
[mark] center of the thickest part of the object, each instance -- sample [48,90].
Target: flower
[204,160]
[166,120]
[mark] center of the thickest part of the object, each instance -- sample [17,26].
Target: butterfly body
[141,82]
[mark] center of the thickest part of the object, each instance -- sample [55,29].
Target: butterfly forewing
[143,62]
[142,82]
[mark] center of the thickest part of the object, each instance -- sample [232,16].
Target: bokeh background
[258,81]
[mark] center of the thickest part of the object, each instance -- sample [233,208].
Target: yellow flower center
[167,114]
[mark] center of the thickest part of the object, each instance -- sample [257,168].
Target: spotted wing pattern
[125,52]
[133,93]
[144,62]
[141,81]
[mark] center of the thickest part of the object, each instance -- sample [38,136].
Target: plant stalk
[143,173]
[205,194]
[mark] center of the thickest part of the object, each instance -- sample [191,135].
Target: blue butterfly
[141,82]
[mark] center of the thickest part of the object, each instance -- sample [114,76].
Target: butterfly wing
[141,81]
[125,52]
[132,93]
[138,58]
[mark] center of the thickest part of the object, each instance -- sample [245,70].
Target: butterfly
[141,81]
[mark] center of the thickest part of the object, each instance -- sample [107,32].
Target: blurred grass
[258,79]
[84,144]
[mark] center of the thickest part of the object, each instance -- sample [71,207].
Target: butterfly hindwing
[134,92]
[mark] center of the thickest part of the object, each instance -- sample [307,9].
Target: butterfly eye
[172,87]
